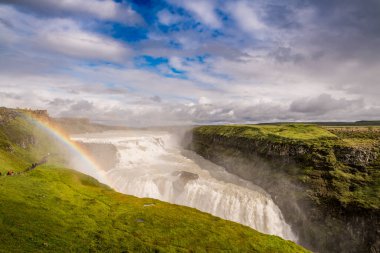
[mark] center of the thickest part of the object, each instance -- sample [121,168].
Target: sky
[164,62]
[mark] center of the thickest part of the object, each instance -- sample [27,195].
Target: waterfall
[152,165]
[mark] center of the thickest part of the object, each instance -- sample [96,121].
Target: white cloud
[100,9]
[167,18]
[204,101]
[176,63]
[59,35]
[67,96]
[104,9]
[246,16]
[66,37]
[204,11]
[323,104]
[197,72]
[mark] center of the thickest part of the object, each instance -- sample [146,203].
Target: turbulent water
[151,164]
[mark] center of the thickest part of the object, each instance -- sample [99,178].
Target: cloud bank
[186,62]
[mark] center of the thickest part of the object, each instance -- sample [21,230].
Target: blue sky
[177,62]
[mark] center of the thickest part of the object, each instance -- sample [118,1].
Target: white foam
[151,165]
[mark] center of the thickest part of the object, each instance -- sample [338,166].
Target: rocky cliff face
[13,132]
[321,188]
[356,157]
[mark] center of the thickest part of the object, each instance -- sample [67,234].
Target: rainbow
[85,162]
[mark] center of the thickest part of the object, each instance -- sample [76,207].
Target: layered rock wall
[301,179]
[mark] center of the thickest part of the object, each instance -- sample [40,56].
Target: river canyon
[152,164]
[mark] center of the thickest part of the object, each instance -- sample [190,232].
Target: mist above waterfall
[152,164]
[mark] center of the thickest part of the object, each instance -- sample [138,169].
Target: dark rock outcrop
[356,157]
[183,178]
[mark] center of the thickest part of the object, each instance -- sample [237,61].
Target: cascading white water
[152,165]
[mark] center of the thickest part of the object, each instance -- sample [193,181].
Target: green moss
[353,186]
[360,142]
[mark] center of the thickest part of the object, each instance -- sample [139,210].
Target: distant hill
[332,123]
[356,123]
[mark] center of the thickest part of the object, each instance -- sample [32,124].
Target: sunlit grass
[286,131]
[56,210]
[53,209]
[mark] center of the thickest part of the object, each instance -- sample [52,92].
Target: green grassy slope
[53,209]
[57,210]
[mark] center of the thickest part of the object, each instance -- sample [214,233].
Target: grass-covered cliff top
[340,163]
[53,209]
[289,131]
[302,133]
